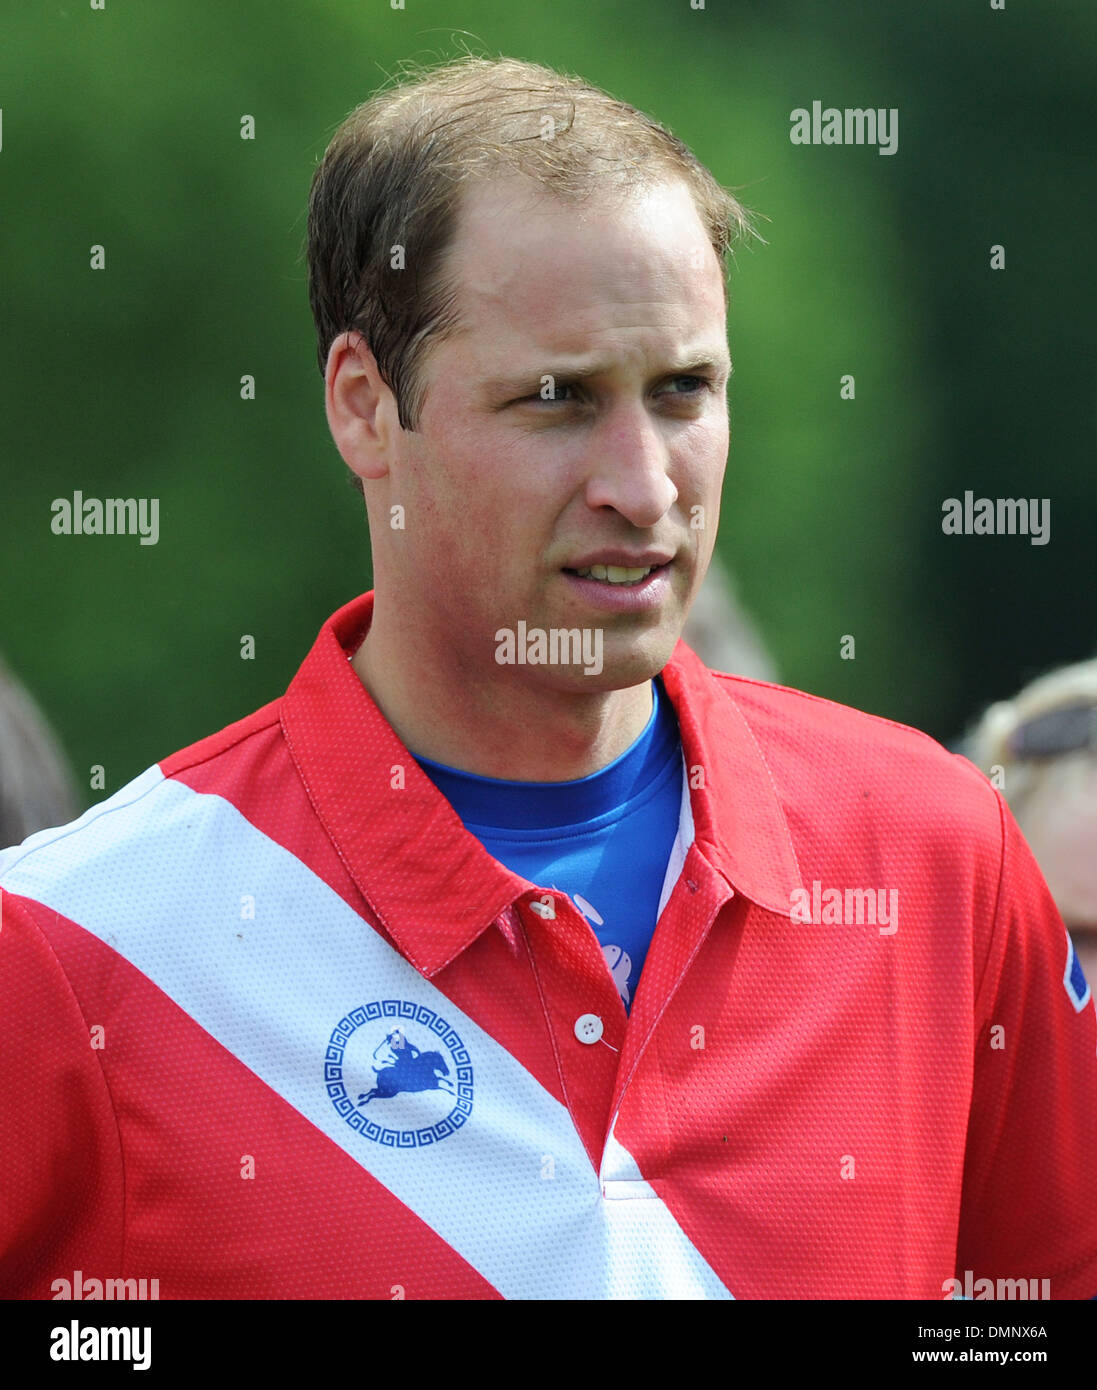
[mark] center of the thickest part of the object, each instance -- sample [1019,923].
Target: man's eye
[552,395]
[695,386]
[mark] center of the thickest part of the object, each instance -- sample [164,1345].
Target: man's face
[1061,828]
[506,492]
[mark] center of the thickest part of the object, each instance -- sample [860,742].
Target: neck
[515,730]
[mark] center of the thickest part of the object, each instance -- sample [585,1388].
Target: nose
[628,467]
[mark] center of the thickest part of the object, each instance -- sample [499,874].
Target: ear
[361,407]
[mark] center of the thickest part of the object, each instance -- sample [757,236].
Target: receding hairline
[701,354]
[400,163]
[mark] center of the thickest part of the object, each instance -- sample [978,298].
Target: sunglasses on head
[1059,731]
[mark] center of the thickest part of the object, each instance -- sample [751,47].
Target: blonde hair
[36,786]
[1008,737]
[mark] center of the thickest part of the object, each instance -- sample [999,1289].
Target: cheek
[1063,845]
[448,483]
[697,471]
[702,448]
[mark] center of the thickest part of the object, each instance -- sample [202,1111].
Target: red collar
[430,883]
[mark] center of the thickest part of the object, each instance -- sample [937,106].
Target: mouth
[618,574]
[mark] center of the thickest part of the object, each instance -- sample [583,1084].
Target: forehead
[564,277]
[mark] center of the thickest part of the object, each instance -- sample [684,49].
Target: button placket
[581,1003]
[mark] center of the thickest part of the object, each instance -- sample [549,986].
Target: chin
[628,664]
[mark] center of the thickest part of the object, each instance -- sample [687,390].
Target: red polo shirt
[273,1024]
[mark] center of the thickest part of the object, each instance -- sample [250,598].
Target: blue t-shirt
[604,840]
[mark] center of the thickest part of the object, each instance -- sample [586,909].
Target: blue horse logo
[405,1068]
[443,1077]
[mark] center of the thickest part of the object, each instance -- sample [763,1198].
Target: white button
[588,1028]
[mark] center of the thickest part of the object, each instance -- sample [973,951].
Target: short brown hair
[392,176]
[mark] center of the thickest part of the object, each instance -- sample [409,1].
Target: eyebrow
[685,366]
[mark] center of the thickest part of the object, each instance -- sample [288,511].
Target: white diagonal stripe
[158,872]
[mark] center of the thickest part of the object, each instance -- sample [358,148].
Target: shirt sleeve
[1029,1204]
[61,1193]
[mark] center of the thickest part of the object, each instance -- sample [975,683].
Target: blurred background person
[1040,749]
[36,785]
[721,633]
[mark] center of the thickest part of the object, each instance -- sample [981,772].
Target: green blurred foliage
[121,127]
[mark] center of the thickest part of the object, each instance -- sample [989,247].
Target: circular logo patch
[398,1074]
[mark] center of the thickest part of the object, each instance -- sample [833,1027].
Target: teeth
[615,574]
